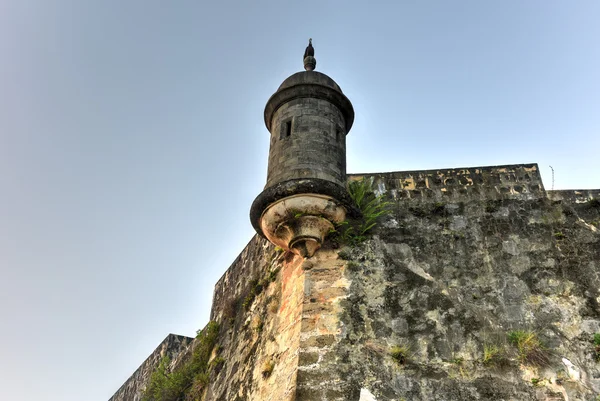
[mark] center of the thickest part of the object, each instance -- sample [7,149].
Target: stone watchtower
[305,195]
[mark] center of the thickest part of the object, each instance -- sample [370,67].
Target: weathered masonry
[305,196]
[476,283]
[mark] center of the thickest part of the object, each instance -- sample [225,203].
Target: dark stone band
[298,187]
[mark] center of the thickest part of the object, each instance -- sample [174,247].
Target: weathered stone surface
[315,146]
[517,260]
[172,347]
[465,257]
[308,118]
[258,329]
[520,181]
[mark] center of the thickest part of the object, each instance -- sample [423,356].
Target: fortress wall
[172,346]
[574,195]
[521,181]
[465,257]
[234,283]
[258,305]
[448,277]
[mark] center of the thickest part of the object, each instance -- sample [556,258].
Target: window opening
[286,129]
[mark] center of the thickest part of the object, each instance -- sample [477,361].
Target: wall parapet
[518,181]
[574,195]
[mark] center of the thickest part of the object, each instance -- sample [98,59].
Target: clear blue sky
[132,144]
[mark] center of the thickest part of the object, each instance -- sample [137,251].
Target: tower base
[300,223]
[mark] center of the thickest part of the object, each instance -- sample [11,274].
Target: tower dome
[309,77]
[308,118]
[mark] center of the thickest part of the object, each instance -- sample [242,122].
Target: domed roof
[309,77]
[309,84]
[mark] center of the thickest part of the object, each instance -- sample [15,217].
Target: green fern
[371,207]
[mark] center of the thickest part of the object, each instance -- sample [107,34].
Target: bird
[310,50]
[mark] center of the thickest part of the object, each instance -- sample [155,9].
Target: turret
[308,118]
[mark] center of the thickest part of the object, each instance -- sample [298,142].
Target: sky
[132,144]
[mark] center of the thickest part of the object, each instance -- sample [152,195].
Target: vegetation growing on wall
[187,381]
[371,207]
[257,286]
[529,347]
[493,354]
[267,368]
[400,353]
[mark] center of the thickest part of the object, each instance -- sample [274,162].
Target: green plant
[217,363]
[256,288]
[353,266]
[597,346]
[371,207]
[400,353]
[457,361]
[273,275]
[273,304]
[529,347]
[230,310]
[492,354]
[536,381]
[196,390]
[559,235]
[267,368]
[248,300]
[257,323]
[162,386]
[188,378]
[344,255]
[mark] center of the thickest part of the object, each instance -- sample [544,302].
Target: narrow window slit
[286,129]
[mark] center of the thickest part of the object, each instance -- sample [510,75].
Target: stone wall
[521,181]
[452,272]
[275,308]
[465,258]
[173,346]
[257,305]
[315,147]
[574,195]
